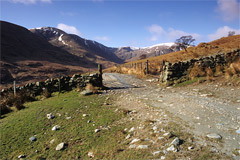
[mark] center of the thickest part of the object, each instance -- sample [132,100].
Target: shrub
[196,71]
[4,109]
[209,73]
[19,104]
[46,93]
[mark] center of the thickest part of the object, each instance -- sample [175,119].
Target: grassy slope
[225,44]
[18,127]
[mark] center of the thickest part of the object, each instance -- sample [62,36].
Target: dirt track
[205,108]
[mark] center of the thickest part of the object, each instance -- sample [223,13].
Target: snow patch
[61,40]
[86,42]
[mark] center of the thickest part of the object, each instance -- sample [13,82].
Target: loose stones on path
[214,136]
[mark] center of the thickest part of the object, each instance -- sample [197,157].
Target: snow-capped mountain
[134,53]
[78,46]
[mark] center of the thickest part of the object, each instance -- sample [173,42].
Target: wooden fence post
[100,74]
[14,88]
[147,71]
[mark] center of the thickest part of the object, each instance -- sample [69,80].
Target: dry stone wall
[178,72]
[67,83]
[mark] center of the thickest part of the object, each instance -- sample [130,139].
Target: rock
[68,117]
[238,101]
[85,115]
[190,148]
[56,127]
[172,148]
[155,128]
[90,155]
[97,130]
[132,146]
[238,131]
[132,129]
[166,134]
[89,121]
[135,140]
[214,136]
[50,116]
[175,142]
[59,114]
[160,138]
[22,156]
[155,153]
[60,146]
[87,92]
[128,136]
[163,157]
[33,138]
[52,141]
[142,147]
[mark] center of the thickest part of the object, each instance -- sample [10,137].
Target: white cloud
[102,38]
[30,1]
[170,35]
[69,29]
[229,9]
[156,31]
[222,32]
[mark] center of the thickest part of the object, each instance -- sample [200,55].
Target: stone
[90,155]
[85,115]
[190,148]
[238,131]
[166,134]
[22,156]
[155,128]
[89,121]
[97,130]
[128,136]
[50,116]
[135,140]
[142,147]
[60,146]
[132,146]
[214,136]
[33,138]
[172,148]
[156,152]
[238,101]
[52,141]
[68,117]
[56,127]
[160,138]
[175,142]
[132,129]
[162,157]
[86,92]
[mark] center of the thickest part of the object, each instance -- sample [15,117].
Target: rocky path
[207,110]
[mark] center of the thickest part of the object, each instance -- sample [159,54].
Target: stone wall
[178,72]
[67,83]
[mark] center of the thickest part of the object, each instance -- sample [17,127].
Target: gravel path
[206,108]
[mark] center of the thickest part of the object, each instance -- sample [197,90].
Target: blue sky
[136,23]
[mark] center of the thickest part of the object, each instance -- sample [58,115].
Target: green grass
[18,127]
[188,82]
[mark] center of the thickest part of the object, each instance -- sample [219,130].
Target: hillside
[27,56]
[224,44]
[78,46]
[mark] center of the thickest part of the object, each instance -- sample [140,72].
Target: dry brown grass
[196,71]
[89,86]
[210,74]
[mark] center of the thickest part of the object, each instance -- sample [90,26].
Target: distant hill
[33,55]
[134,53]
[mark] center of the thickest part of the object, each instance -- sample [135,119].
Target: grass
[77,133]
[188,82]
